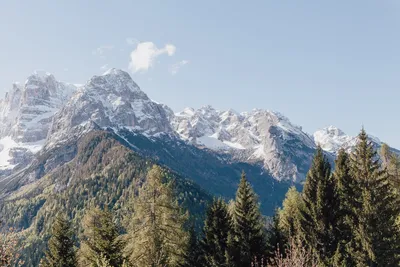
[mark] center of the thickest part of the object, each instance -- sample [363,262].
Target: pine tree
[217,228]
[319,219]
[250,236]
[193,255]
[100,240]
[156,236]
[376,238]
[61,251]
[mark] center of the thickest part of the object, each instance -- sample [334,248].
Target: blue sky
[317,62]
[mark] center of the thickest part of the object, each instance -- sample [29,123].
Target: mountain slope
[259,136]
[102,172]
[110,100]
[44,114]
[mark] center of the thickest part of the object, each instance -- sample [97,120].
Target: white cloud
[104,67]
[99,51]
[174,68]
[143,57]
[132,41]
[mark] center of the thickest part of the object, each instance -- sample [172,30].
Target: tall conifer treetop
[100,239]
[156,236]
[217,229]
[61,251]
[249,227]
[376,239]
[318,219]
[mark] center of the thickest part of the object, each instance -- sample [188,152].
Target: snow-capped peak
[259,135]
[26,114]
[111,100]
[331,139]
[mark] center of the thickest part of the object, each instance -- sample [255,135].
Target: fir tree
[217,228]
[376,238]
[194,255]
[250,237]
[319,219]
[61,251]
[100,241]
[156,236]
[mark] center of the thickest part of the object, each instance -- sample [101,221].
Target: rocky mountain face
[259,136]
[45,115]
[110,100]
[26,115]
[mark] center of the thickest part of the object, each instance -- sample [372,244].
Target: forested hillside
[104,173]
[91,212]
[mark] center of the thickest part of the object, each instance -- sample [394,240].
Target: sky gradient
[319,63]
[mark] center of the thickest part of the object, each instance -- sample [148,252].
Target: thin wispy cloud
[145,54]
[101,50]
[174,68]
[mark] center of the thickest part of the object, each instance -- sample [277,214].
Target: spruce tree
[391,163]
[277,240]
[318,220]
[217,228]
[250,234]
[61,251]
[193,255]
[100,241]
[156,236]
[344,187]
[375,240]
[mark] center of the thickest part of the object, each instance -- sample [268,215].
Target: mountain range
[44,113]
[68,147]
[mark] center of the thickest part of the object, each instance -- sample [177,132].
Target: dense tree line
[346,217]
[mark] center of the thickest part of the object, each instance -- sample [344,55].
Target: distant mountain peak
[331,139]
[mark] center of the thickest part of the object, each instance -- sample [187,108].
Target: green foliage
[217,229]
[277,239]
[156,236]
[109,176]
[318,220]
[344,218]
[61,251]
[290,214]
[391,163]
[193,256]
[344,187]
[100,240]
[216,173]
[250,234]
[375,236]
